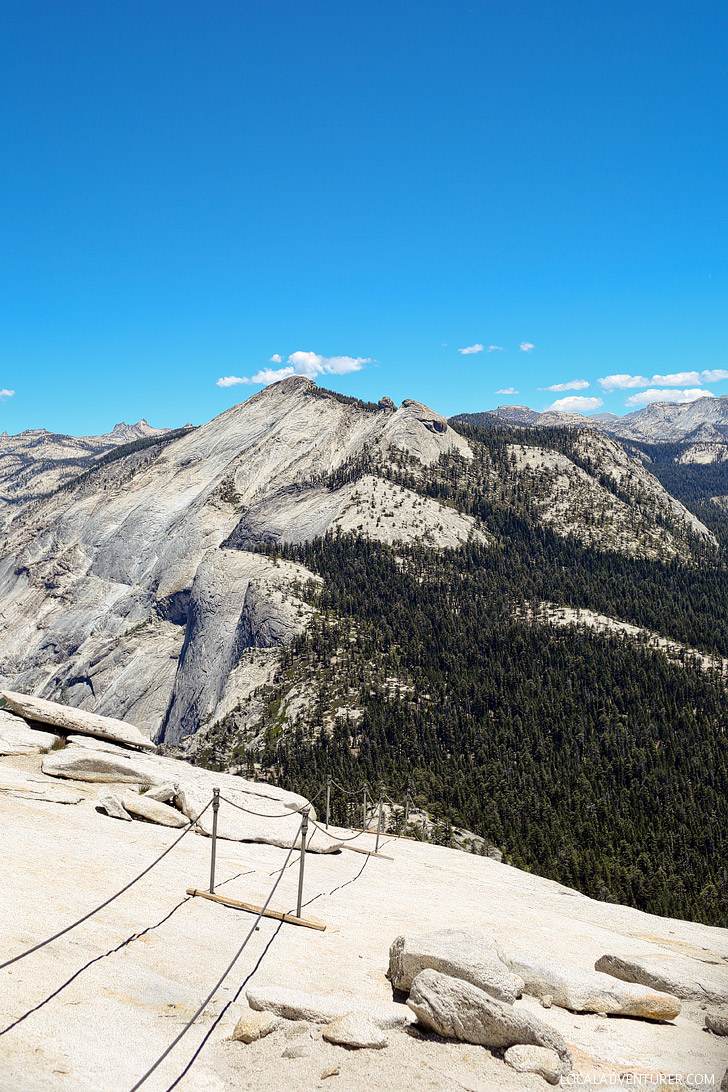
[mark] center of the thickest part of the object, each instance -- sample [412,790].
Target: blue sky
[190,189]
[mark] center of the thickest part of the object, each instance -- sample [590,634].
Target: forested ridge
[591,760]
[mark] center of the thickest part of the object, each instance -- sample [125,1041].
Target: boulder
[88,764]
[254,1025]
[571,987]
[272,815]
[717,1022]
[163,793]
[474,957]
[18,738]
[688,979]
[75,720]
[27,786]
[356,1031]
[110,801]
[456,1009]
[318,1008]
[534,1059]
[152,810]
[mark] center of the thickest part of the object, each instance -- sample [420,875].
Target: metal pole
[364,811]
[213,853]
[328,799]
[379,821]
[406,813]
[423,826]
[304,832]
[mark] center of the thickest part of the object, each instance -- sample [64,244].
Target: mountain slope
[112,585]
[35,462]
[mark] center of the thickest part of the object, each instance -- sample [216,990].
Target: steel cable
[224,975]
[90,914]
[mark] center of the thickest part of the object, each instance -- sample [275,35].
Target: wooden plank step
[290,919]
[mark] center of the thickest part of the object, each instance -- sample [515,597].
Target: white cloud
[622,382]
[5,393]
[496,349]
[507,390]
[526,346]
[575,403]
[276,358]
[300,363]
[676,379]
[672,379]
[572,385]
[644,398]
[469,349]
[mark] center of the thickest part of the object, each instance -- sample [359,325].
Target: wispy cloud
[5,393]
[300,363]
[526,346]
[644,398]
[507,390]
[572,385]
[575,403]
[470,349]
[276,359]
[496,349]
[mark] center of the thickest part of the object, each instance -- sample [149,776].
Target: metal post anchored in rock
[364,807]
[406,812]
[304,832]
[328,799]
[213,852]
[379,820]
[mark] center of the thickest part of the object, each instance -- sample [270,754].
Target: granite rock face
[131,594]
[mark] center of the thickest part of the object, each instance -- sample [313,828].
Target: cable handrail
[275,815]
[224,975]
[107,902]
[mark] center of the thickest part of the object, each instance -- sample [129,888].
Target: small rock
[474,957]
[112,805]
[146,807]
[533,1059]
[456,1009]
[254,1025]
[717,1022]
[296,1050]
[547,1001]
[332,1071]
[295,1030]
[355,1030]
[162,793]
